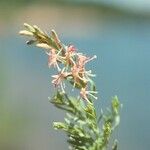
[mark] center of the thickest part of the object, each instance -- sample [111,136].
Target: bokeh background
[117,31]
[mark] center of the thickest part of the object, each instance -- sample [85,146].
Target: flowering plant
[86,130]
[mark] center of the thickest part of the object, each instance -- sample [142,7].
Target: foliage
[86,130]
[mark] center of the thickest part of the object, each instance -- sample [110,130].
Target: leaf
[115,145]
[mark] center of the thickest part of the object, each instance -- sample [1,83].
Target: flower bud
[43,45]
[29,27]
[25,32]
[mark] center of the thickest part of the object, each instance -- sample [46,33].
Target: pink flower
[85,94]
[58,79]
[53,59]
[70,52]
[78,69]
[71,49]
[78,74]
[82,60]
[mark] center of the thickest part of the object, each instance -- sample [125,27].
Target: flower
[85,94]
[82,60]
[53,58]
[69,64]
[70,52]
[58,79]
[78,74]
[78,70]
[71,49]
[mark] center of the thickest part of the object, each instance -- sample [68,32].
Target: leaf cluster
[82,124]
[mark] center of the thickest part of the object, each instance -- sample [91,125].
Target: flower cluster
[81,123]
[69,63]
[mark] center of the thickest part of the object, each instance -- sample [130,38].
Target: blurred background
[117,31]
